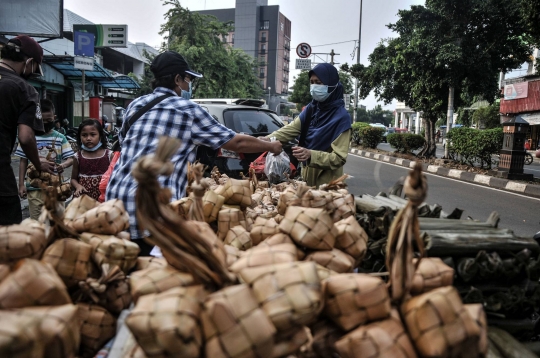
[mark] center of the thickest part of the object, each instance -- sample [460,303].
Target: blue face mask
[83,147]
[319,92]
[186,94]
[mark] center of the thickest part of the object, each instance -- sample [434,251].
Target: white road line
[456,180]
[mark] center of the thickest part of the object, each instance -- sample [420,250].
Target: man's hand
[266,139]
[302,154]
[22,191]
[276,147]
[46,166]
[59,168]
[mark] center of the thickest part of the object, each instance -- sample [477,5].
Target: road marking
[455,173]
[459,181]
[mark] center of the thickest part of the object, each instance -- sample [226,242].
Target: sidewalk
[524,188]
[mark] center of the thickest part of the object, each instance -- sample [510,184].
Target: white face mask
[320,92]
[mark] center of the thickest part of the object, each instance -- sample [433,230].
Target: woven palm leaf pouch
[477,313]
[335,260]
[79,206]
[381,339]
[286,199]
[58,328]
[26,240]
[289,293]
[157,280]
[341,206]
[167,324]
[4,272]
[263,229]
[316,199]
[233,254]
[236,192]
[229,218]
[32,283]
[108,218]
[354,299]
[212,204]
[97,325]
[144,262]
[235,326]
[290,342]
[112,250]
[310,228]
[265,255]
[71,260]
[431,273]
[325,335]
[239,238]
[20,336]
[351,238]
[440,326]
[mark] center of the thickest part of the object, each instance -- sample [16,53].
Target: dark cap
[29,47]
[171,63]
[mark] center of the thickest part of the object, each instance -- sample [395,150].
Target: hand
[266,139]
[60,169]
[80,191]
[302,154]
[22,191]
[47,166]
[276,147]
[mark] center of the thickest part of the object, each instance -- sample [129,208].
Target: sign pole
[82,96]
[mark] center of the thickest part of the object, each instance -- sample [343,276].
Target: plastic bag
[277,167]
[106,176]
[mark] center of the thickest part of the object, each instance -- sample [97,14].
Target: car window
[251,122]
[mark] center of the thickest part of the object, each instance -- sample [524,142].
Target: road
[533,168]
[517,212]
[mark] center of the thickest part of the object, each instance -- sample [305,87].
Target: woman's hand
[22,191]
[80,191]
[301,153]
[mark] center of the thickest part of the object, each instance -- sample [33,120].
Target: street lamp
[269,88]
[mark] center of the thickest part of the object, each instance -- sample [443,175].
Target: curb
[531,190]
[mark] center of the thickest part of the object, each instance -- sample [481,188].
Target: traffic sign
[303,50]
[84,44]
[303,64]
[106,35]
[83,63]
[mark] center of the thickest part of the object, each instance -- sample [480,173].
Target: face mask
[186,94]
[91,149]
[319,92]
[48,126]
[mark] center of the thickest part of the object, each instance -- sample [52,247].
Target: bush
[356,127]
[473,146]
[405,142]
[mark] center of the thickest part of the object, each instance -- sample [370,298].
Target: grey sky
[317,22]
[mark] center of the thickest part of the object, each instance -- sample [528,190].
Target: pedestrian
[20,112]
[438,135]
[168,111]
[323,129]
[91,161]
[50,141]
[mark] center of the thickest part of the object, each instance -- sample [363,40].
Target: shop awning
[64,65]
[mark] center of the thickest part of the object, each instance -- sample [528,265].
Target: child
[50,140]
[91,161]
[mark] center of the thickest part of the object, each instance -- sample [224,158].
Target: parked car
[388,131]
[251,120]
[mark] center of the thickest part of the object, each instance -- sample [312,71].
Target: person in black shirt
[20,60]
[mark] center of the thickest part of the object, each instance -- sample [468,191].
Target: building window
[232,40]
[282,27]
[265,25]
[263,49]
[263,37]
[261,72]
[261,83]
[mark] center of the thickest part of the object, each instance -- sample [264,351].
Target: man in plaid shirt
[176,117]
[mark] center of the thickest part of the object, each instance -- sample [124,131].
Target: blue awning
[64,65]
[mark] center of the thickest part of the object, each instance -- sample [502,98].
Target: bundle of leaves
[475,147]
[406,142]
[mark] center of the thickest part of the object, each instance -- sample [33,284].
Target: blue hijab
[329,118]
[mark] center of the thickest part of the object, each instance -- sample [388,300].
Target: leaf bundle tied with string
[184,244]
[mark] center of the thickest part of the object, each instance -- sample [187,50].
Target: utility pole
[449,118]
[355,114]
[332,54]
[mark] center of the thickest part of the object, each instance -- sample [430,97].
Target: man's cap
[29,47]
[171,63]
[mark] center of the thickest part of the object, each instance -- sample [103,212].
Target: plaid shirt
[173,117]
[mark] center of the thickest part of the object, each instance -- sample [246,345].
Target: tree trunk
[429,148]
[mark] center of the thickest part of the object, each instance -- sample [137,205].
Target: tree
[460,44]
[378,115]
[487,117]
[300,90]
[146,80]
[228,72]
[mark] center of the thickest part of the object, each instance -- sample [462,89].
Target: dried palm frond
[336,184]
[198,189]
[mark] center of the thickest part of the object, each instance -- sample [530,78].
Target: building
[264,33]
[107,86]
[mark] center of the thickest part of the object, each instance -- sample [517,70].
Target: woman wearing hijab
[323,129]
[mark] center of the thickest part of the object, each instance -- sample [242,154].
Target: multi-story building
[264,33]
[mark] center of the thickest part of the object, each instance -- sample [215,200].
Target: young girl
[92,159]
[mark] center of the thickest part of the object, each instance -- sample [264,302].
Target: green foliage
[300,90]
[405,142]
[475,147]
[378,115]
[464,117]
[356,130]
[487,117]
[228,72]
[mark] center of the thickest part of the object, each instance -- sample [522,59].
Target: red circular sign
[303,50]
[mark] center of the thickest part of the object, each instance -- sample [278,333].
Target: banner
[516,91]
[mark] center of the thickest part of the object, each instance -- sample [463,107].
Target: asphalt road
[533,168]
[518,213]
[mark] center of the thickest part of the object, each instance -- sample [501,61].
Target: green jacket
[323,166]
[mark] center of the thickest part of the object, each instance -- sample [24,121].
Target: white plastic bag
[277,167]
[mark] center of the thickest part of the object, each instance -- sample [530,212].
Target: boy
[63,160]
